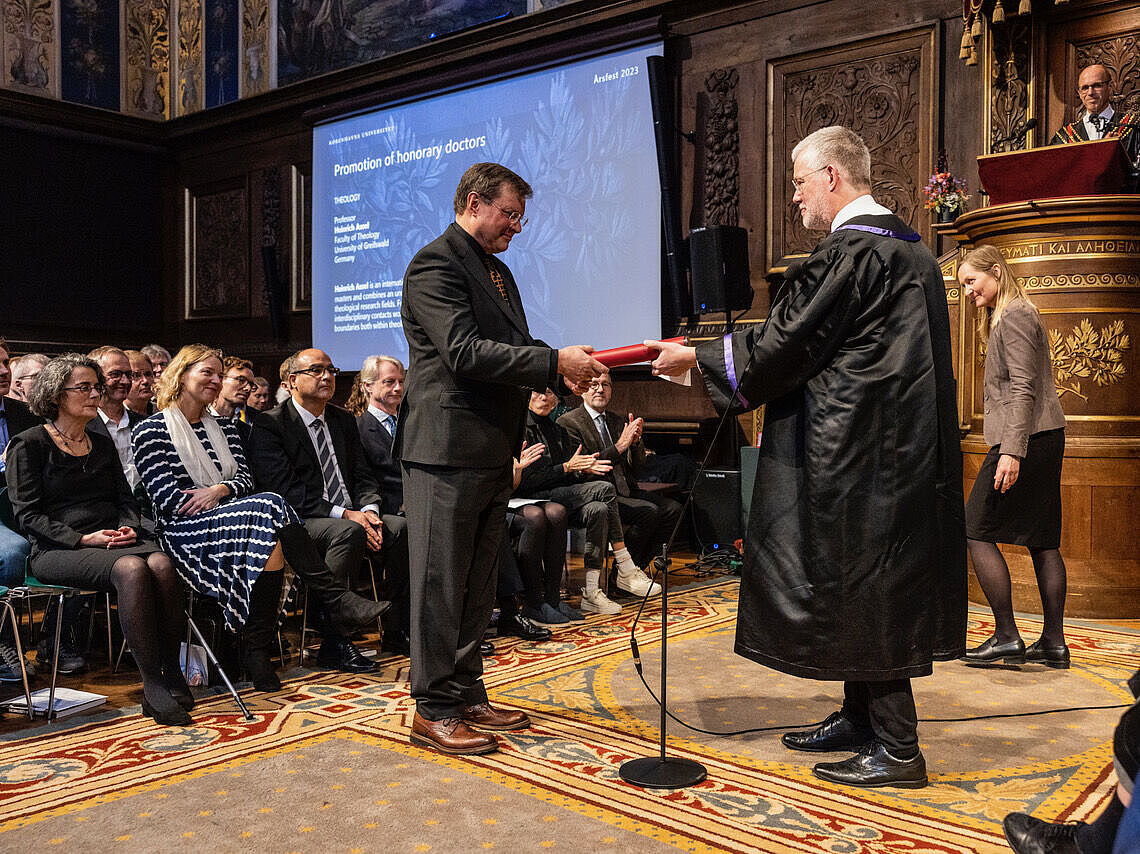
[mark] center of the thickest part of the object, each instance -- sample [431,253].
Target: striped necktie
[337,494]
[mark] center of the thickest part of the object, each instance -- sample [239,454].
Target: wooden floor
[123,688]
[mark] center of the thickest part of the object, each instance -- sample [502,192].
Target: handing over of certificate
[673,357]
[630,355]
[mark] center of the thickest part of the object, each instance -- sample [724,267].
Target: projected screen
[588,263]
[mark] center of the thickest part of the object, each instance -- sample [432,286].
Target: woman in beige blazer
[1016,498]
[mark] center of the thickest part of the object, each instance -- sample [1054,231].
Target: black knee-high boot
[345,609]
[261,632]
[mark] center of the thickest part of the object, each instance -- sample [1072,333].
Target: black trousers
[648,520]
[394,558]
[456,523]
[888,709]
[341,543]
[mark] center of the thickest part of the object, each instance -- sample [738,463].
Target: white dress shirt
[862,206]
[308,418]
[121,435]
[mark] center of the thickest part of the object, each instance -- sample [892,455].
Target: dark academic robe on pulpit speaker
[855,552]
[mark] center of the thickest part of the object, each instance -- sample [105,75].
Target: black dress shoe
[340,654]
[1028,835]
[1011,652]
[486,648]
[837,732]
[519,626]
[1051,656]
[874,766]
[397,642]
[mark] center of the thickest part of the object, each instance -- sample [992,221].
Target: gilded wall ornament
[148,56]
[1009,92]
[28,29]
[1089,353]
[255,47]
[191,95]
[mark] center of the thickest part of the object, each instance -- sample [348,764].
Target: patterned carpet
[327,765]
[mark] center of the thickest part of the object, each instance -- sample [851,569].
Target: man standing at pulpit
[1101,121]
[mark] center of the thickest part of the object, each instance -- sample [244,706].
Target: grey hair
[840,147]
[47,390]
[371,367]
[156,351]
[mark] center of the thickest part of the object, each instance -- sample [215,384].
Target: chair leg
[114,663]
[192,626]
[304,629]
[10,613]
[55,660]
[376,596]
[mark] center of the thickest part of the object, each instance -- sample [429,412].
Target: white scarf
[193,453]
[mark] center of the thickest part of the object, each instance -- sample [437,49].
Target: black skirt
[1030,513]
[88,568]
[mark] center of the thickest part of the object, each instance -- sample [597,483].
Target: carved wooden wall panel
[1118,55]
[1008,87]
[256,28]
[722,149]
[884,89]
[218,268]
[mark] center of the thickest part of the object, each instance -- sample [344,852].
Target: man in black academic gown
[855,559]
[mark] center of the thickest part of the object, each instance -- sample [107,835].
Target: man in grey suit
[473,361]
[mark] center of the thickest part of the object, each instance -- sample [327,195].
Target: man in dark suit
[382,381]
[461,423]
[1101,121]
[647,518]
[237,384]
[309,452]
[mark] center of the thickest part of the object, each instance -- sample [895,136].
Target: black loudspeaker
[718,258]
[716,509]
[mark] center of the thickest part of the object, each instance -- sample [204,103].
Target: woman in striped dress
[228,541]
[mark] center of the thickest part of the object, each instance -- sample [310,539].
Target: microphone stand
[662,771]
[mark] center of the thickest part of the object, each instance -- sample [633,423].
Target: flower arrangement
[944,193]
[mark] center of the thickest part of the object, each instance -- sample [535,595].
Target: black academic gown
[855,559]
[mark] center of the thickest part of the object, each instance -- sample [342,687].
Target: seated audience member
[25,369]
[1103,835]
[1101,121]
[115,421]
[229,542]
[259,397]
[647,518]
[140,399]
[71,498]
[537,533]
[309,452]
[237,383]
[283,392]
[376,404]
[375,401]
[15,417]
[560,476]
[159,358]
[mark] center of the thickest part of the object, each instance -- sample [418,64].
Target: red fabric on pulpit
[1080,169]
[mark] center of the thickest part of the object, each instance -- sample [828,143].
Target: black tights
[993,576]
[542,551]
[152,618]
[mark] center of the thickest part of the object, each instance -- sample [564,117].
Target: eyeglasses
[241,382]
[513,217]
[598,385]
[798,183]
[115,376]
[1097,84]
[319,371]
[85,388]
[138,375]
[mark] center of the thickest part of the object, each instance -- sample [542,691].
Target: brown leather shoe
[486,716]
[451,735]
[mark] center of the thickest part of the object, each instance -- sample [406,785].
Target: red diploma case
[630,355]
